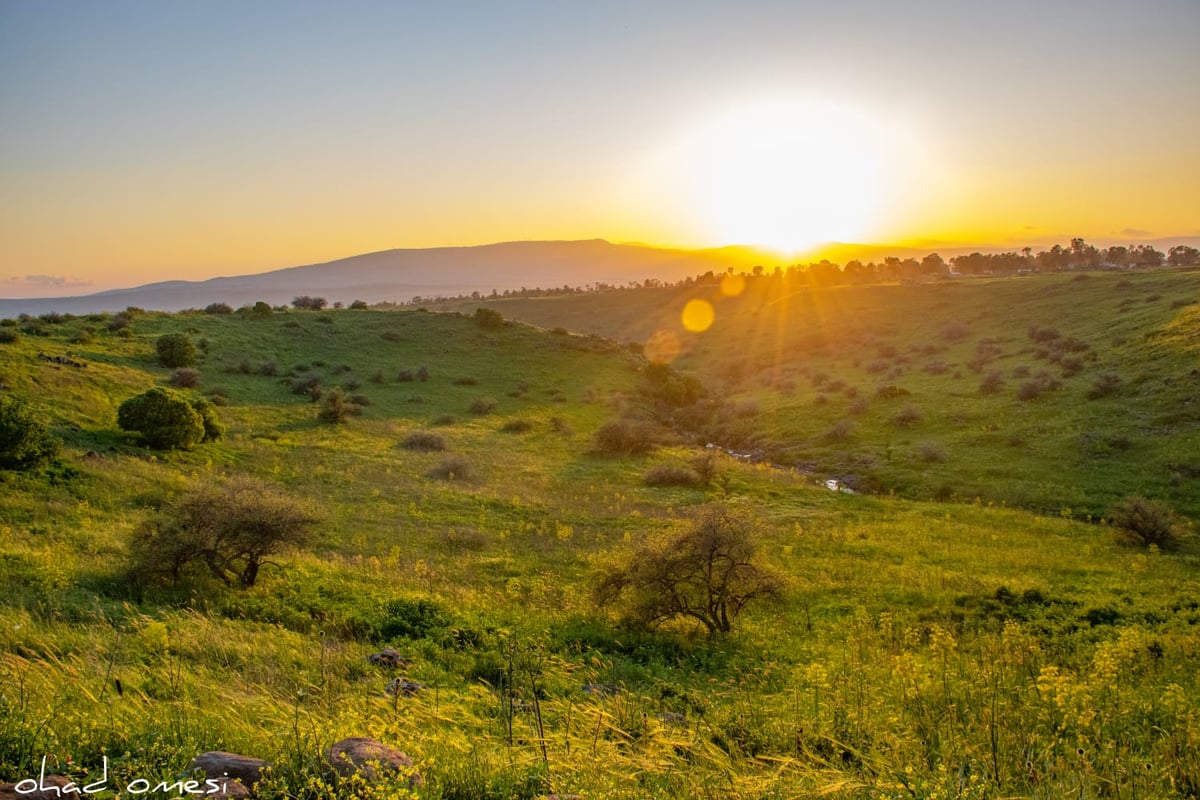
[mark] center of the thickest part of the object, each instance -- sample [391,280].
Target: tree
[306,303]
[167,420]
[231,530]
[488,318]
[175,350]
[1181,255]
[707,574]
[24,441]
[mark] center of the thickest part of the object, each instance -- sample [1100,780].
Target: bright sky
[154,140]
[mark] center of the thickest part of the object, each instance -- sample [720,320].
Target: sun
[783,174]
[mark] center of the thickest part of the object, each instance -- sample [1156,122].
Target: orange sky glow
[146,142]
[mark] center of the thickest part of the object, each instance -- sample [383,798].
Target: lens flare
[697,315]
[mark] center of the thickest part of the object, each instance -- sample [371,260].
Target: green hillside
[941,391]
[919,649]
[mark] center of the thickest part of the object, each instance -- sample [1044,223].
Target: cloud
[44,281]
[1134,232]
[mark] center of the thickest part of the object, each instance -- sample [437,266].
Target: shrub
[214,430]
[337,408]
[931,452]
[422,373]
[268,368]
[840,431]
[1041,383]
[992,382]
[454,468]
[1070,366]
[185,378]
[359,305]
[24,441]
[1146,522]
[230,530]
[671,475]
[1104,385]
[955,331]
[517,426]
[9,336]
[218,308]
[175,350]
[466,380]
[707,574]
[483,405]
[423,441]
[908,416]
[488,318]
[405,376]
[164,419]
[310,386]
[1039,334]
[625,437]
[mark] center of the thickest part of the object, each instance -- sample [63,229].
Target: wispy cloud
[1135,232]
[48,281]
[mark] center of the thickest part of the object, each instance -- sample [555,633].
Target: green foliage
[488,318]
[218,308]
[413,619]
[214,429]
[337,408]
[306,303]
[164,419]
[229,530]
[707,574]
[9,336]
[24,441]
[175,350]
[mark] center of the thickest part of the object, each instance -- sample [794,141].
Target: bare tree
[707,574]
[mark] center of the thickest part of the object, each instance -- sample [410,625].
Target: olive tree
[228,529]
[707,574]
[167,420]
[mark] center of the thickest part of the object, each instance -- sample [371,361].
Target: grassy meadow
[968,626]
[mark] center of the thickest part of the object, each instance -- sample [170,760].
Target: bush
[306,303]
[185,378]
[517,426]
[1146,522]
[840,431]
[454,468]
[908,416]
[338,408]
[358,305]
[230,530]
[955,331]
[9,336]
[483,405]
[423,441]
[1104,385]
[175,350]
[672,475]
[218,308]
[1041,383]
[310,386]
[625,437]
[488,318]
[405,376]
[214,430]
[931,452]
[706,574]
[24,441]
[164,419]
[992,382]
[466,380]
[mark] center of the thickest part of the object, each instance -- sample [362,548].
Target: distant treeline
[1079,255]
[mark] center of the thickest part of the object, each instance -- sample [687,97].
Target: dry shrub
[423,441]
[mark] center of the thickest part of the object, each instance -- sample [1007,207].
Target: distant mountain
[400,275]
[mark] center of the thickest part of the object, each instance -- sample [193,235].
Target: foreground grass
[924,649]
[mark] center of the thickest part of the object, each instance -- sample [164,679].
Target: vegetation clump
[24,441]
[175,350]
[228,530]
[185,378]
[337,408]
[489,318]
[166,420]
[626,437]
[671,475]
[1146,522]
[423,441]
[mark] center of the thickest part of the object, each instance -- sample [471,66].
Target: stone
[53,783]
[388,657]
[371,759]
[220,765]
[403,687]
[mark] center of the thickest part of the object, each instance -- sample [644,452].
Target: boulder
[403,687]
[53,783]
[371,759]
[220,765]
[388,657]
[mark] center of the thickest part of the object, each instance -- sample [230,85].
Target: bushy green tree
[167,420]
[175,350]
[24,440]
[230,530]
[707,574]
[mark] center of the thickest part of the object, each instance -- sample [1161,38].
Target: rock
[371,759]
[602,689]
[220,765]
[403,687]
[388,657]
[672,718]
[227,791]
[53,785]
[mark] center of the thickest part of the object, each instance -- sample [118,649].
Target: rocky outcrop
[371,759]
